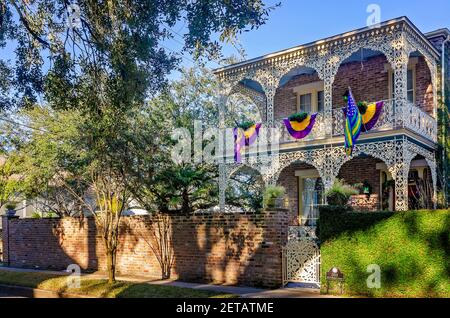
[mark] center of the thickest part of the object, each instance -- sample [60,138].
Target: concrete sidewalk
[244,292]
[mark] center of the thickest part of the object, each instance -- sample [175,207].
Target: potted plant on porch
[272,195]
[340,193]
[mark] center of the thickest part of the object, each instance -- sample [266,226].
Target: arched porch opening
[304,192]
[421,85]
[244,191]
[420,185]
[246,102]
[299,90]
[371,177]
[368,73]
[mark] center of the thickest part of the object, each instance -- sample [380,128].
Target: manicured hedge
[411,248]
[335,220]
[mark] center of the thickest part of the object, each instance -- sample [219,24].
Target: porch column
[401,58]
[328,104]
[270,95]
[400,171]
[222,100]
[433,169]
[223,182]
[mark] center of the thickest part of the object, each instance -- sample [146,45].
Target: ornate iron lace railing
[414,118]
[299,232]
[318,132]
[420,122]
[385,122]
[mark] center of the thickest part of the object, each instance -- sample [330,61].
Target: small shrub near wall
[411,250]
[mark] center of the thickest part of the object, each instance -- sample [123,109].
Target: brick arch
[358,169]
[287,179]
[362,78]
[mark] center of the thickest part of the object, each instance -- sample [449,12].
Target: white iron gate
[301,261]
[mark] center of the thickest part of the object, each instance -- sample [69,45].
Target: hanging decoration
[300,125]
[370,113]
[245,134]
[353,123]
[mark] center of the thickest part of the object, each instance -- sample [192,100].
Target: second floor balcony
[393,63]
[410,117]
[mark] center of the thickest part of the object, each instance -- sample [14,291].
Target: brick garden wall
[238,249]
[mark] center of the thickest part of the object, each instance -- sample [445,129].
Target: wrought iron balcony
[391,118]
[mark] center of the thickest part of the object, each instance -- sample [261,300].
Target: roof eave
[328,39]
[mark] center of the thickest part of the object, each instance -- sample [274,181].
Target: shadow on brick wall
[51,243]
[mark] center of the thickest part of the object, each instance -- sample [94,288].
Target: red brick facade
[242,249]
[369,81]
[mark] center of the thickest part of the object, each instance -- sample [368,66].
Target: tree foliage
[117,43]
[98,75]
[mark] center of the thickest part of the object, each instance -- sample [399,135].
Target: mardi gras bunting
[370,114]
[244,138]
[300,125]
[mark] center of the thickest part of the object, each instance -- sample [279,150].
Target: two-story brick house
[393,62]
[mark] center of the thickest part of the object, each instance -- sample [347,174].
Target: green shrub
[271,194]
[335,220]
[51,215]
[340,193]
[10,206]
[411,248]
[35,215]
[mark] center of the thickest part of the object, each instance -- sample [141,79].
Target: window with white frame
[410,83]
[410,89]
[310,97]
[305,103]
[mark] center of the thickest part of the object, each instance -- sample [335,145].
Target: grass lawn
[101,288]
[412,250]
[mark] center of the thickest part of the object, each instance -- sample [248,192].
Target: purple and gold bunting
[244,138]
[300,130]
[370,115]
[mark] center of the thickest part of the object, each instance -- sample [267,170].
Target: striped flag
[353,123]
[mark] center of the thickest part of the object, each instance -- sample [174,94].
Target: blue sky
[297,22]
[301,21]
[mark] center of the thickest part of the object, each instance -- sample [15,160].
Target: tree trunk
[111,266]
[185,199]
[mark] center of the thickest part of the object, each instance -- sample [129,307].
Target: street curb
[37,293]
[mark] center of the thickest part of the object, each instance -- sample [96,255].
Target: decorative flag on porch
[370,117]
[245,136]
[353,123]
[370,114]
[300,125]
